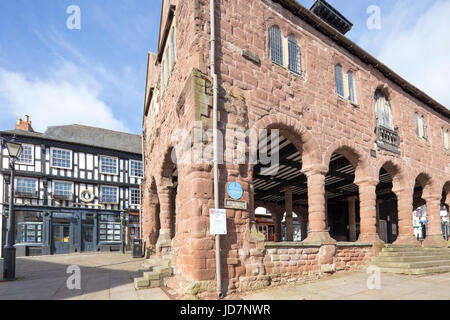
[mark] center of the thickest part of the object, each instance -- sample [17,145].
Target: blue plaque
[235,191]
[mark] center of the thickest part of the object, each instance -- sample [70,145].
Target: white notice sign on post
[218,221]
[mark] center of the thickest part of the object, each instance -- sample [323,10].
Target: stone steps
[420,271]
[158,270]
[413,260]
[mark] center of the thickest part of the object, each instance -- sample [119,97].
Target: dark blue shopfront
[46,232]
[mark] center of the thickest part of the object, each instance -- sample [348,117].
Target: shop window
[29,227]
[136,169]
[295,64]
[109,165]
[110,228]
[276,46]
[27,155]
[61,158]
[109,194]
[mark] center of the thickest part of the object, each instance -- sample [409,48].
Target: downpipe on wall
[215,143]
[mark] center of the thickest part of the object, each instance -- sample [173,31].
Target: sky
[95,74]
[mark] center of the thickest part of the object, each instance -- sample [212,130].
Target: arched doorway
[387,208]
[420,214]
[283,187]
[342,200]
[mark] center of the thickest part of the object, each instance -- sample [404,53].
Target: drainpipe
[216,145]
[140,186]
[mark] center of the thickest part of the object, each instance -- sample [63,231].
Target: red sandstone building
[359,147]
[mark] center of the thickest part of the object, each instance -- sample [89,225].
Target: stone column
[316,206]
[289,218]
[434,233]
[405,217]
[164,241]
[368,211]
[277,218]
[352,218]
[379,203]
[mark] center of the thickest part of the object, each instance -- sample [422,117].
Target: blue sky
[96,75]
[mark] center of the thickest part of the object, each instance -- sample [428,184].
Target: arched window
[446,138]
[339,81]
[276,46]
[295,62]
[421,126]
[351,87]
[383,111]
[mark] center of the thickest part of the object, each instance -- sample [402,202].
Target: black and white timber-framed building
[77,189]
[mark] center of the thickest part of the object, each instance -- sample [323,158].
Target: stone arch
[297,134]
[348,149]
[150,219]
[394,168]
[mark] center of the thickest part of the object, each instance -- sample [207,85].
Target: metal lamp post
[9,262]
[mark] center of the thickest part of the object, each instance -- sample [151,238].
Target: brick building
[359,147]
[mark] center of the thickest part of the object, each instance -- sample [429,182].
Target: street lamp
[9,262]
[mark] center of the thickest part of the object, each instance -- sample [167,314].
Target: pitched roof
[90,136]
[317,23]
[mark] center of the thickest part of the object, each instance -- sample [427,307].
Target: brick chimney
[24,125]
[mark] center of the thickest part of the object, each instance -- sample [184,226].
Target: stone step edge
[418,271]
[414,265]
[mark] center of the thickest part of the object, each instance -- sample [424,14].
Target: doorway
[61,238]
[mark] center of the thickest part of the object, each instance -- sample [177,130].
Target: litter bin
[137,248]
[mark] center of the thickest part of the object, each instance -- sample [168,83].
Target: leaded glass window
[276,46]
[294,56]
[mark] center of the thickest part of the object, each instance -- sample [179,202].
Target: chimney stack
[24,125]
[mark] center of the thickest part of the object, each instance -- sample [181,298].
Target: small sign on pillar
[218,221]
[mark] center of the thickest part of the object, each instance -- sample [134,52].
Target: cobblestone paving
[104,276]
[353,286]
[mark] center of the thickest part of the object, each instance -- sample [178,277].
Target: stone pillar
[368,211]
[379,203]
[164,241]
[405,218]
[289,218]
[277,218]
[352,218]
[434,233]
[316,206]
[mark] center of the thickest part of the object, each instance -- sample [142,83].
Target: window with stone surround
[421,126]
[351,88]
[446,138]
[295,62]
[339,77]
[276,45]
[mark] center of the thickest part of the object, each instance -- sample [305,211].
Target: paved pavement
[353,286]
[104,276]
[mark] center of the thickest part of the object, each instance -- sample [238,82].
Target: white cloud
[415,43]
[67,97]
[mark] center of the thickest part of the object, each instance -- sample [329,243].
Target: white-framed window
[109,194]
[63,189]
[135,196]
[295,61]
[27,155]
[61,158]
[28,186]
[109,165]
[276,45]
[136,169]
